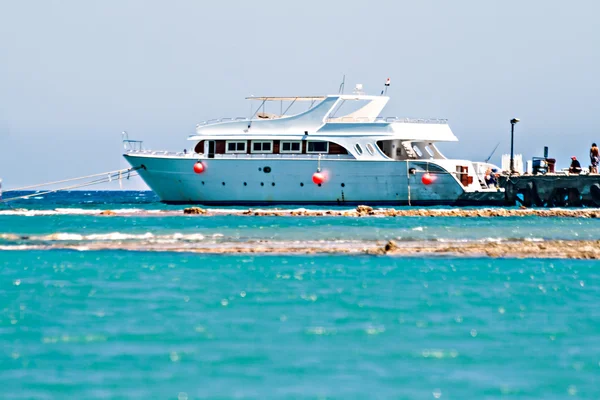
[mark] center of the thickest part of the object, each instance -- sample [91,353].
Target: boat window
[317,147]
[234,146]
[358,149]
[370,148]
[291,147]
[385,147]
[262,146]
[418,151]
[429,151]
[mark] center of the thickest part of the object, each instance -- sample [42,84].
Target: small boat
[321,155]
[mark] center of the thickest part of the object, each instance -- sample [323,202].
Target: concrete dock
[551,190]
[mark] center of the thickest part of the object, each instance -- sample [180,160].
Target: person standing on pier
[594,158]
[491,177]
[575,167]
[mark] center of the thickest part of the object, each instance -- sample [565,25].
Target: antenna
[493,151]
[341,89]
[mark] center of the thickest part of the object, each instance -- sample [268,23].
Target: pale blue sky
[74,74]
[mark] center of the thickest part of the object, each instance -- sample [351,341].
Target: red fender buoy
[428,179]
[198,167]
[318,178]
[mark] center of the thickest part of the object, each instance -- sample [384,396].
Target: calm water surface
[119,324]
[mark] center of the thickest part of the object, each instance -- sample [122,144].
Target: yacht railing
[265,156]
[128,144]
[379,119]
[268,156]
[134,145]
[163,153]
[340,120]
[220,120]
[387,120]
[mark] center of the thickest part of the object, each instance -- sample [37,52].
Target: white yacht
[321,155]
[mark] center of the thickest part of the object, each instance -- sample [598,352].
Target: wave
[102,237]
[23,247]
[84,211]
[118,236]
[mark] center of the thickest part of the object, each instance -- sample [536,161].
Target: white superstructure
[271,159]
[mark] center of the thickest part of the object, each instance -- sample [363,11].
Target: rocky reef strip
[367,211]
[566,249]
[360,211]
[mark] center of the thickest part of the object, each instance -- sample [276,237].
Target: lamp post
[512,139]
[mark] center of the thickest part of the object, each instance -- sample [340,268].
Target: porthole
[359,149]
[259,169]
[301,184]
[343,184]
[245,184]
[203,182]
[262,184]
[319,185]
[273,184]
[223,183]
[370,148]
[266,170]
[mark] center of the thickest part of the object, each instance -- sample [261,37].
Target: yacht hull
[267,181]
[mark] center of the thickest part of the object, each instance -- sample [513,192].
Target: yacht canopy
[320,123]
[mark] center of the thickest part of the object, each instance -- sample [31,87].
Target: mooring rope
[107,177]
[69,180]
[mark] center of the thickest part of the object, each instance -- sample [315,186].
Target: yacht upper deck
[325,119]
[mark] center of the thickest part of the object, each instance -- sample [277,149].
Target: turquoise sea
[148,322]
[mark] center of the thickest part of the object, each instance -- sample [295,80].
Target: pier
[542,186]
[551,190]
